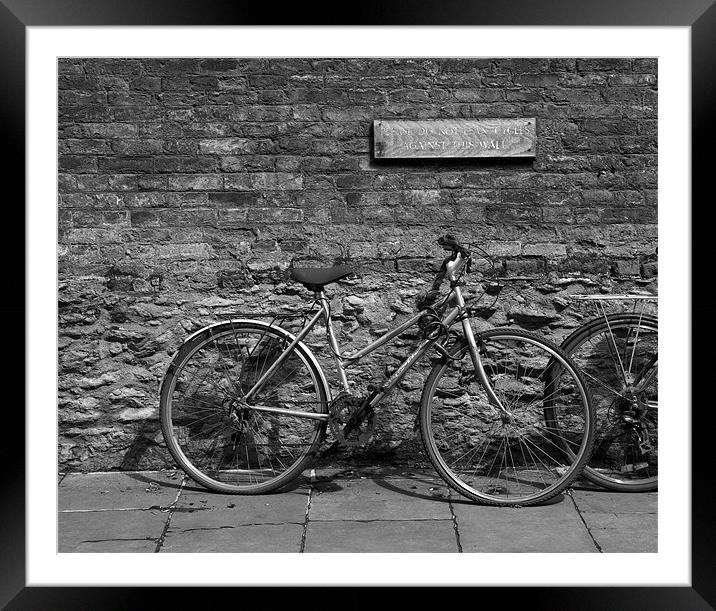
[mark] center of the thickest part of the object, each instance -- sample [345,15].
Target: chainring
[342,408]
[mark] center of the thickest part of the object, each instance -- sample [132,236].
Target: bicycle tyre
[264,450]
[455,414]
[581,346]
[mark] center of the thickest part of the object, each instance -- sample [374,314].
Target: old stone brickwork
[188,186]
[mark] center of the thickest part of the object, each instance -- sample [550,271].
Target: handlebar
[449,242]
[453,270]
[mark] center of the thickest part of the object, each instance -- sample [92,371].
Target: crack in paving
[152,508]
[119,539]
[195,509]
[188,530]
[581,517]
[230,526]
[172,507]
[454,523]
[369,520]
[302,547]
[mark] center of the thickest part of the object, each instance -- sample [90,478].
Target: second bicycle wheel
[618,356]
[230,444]
[525,455]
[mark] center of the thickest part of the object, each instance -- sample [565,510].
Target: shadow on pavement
[446,498]
[396,480]
[408,490]
[192,486]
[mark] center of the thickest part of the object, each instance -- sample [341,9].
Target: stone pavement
[339,510]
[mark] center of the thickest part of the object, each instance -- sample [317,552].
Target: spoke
[277,384]
[263,366]
[616,350]
[603,384]
[492,464]
[536,447]
[647,374]
[209,370]
[519,379]
[512,460]
[636,341]
[547,439]
[280,443]
[522,442]
[248,463]
[224,365]
[466,456]
[199,419]
[258,342]
[218,408]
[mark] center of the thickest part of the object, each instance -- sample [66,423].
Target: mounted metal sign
[454,138]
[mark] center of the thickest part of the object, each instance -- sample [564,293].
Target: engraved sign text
[455,138]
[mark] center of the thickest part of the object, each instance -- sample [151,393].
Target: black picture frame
[17,15]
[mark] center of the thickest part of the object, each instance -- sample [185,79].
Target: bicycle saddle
[315,278]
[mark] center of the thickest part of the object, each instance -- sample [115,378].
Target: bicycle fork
[477,360]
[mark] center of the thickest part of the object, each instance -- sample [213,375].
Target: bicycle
[245,404]
[618,355]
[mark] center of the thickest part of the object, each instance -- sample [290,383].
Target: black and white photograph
[357,304]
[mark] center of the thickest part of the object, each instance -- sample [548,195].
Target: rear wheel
[618,356]
[525,455]
[230,444]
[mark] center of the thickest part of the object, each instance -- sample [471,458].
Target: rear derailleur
[633,418]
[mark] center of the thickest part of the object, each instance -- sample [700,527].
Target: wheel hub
[237,413]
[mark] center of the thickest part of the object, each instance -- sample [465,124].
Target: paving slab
[604,501]
[110,531]
[554,527]
[374,509]
[262,538]
[624,532]
[383,536]
[118,490]
[204,507]
[395,498]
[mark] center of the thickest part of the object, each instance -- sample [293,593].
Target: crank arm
[644,443]
[330,450]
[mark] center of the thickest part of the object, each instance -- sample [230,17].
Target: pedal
[631,468]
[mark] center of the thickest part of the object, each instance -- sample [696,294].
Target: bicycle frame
[343,362]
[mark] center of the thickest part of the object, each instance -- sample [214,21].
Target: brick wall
[188,186]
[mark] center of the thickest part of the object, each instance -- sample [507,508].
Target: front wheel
[225,441]
[523,454]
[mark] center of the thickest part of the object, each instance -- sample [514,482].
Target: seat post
[332,340]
